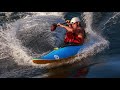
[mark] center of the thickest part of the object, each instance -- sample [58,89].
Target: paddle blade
[53,26]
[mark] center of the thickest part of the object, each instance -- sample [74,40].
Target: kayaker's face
[75,25]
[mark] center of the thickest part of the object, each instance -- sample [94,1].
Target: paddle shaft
[54,26]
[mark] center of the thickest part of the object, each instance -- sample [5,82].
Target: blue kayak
[59,55]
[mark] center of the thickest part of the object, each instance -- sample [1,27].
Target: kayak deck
[61,54]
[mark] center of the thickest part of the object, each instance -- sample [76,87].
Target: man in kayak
[75,34]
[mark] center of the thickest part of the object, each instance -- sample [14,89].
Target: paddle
[54,26]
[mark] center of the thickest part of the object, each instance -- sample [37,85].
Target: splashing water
[99,43]
[16,50]
[30,37]
[20,32]
[15,56]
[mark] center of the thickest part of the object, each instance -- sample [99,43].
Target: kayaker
[75,34]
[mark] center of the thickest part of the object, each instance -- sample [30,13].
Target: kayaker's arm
[69,29]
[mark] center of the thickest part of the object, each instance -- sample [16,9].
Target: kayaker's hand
[59,24]
[67,21]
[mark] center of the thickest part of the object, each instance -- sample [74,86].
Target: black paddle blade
[53,26]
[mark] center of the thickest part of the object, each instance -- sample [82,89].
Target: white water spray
[39,22]
[99,43]
[16,50]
